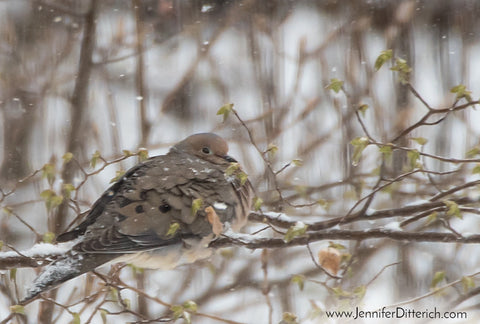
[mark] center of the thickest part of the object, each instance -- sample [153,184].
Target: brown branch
[431,111]
[432,156]
[76,137]
[334,234]
[21,261]
[145,125]
[267,163]
[285,222]
[38,256]
[251,242]
[79,102]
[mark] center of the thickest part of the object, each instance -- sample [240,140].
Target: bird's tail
[69,266]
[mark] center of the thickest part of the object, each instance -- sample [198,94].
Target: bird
[162,213]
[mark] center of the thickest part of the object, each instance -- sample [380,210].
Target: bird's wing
[151,206]
[112,240]
[99,206]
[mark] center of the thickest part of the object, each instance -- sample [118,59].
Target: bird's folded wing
[113,241]
[107,197]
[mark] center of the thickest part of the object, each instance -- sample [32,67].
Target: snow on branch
[37,256]
[252,242]
[43,253]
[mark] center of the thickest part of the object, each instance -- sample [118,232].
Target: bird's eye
[206,150]
[164,208]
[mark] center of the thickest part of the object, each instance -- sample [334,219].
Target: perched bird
[163,212]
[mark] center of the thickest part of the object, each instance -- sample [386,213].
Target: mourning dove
[163,212]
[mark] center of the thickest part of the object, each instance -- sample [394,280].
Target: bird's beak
[229,158]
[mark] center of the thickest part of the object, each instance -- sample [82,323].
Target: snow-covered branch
[37,256]
[252,242]
[43,253]
[283,221]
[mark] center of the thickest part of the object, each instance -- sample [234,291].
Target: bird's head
[207,146]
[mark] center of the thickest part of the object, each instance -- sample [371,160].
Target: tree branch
[247,241]
[283,221]
[37,256]
[43,253]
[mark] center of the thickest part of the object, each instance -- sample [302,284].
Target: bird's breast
[170,257]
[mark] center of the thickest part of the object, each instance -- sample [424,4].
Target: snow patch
[393,226]
[418,202]
[280,217]
[55,273]
[40,250]
[219,205]
[474,195]
[237,236]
